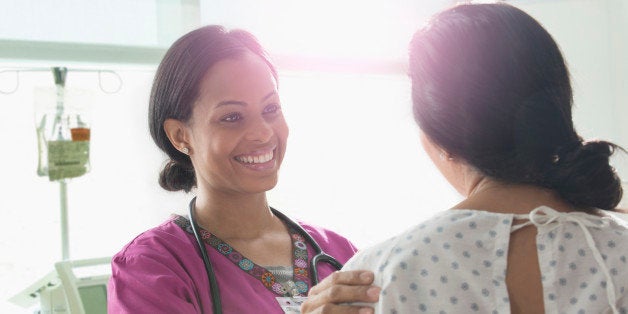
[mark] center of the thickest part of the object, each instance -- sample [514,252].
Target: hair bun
[176,177]
[583,176]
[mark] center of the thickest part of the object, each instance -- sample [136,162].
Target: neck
[494,196]
[233,216]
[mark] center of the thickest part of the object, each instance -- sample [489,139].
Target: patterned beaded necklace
[298,286]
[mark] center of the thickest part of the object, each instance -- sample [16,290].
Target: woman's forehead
[243,78]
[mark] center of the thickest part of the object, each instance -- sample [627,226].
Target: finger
[338,294]
[347,294]
[352,277]
[339,309]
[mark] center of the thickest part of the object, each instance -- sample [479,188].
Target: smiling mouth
[256,158]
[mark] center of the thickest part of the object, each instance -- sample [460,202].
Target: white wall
[618,11]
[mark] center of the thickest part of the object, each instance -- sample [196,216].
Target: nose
[260,130]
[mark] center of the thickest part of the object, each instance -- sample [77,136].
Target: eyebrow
[242,103]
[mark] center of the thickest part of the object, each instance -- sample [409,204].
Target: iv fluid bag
[63,132]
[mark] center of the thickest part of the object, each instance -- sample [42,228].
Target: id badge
[291,305]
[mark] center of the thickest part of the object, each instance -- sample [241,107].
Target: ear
[178,134]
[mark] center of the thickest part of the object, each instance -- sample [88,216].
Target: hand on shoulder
[333,293]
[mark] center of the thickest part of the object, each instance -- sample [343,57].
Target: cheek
[221,149]
[282,130]
[285,130]
[431,152]
[214,147]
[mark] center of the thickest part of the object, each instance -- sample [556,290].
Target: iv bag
[62,122]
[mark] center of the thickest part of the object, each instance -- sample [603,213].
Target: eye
[232,117]
[272,108]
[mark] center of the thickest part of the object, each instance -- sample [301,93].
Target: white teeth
[267,157]
[259,159]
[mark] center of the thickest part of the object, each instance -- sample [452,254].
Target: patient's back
[466,261]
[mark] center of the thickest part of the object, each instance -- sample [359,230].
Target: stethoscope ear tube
[211,276]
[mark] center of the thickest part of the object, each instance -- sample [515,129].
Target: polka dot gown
[456,262]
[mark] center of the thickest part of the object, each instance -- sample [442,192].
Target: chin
[262,186]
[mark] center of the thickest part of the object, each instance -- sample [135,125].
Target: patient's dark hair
[490,86]
[176,88]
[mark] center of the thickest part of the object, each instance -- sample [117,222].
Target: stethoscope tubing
[211,276]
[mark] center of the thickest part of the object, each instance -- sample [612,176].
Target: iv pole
[49,290]
[60,74]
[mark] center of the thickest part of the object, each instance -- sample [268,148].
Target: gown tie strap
[547,217]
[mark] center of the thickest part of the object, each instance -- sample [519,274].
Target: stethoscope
[319,256]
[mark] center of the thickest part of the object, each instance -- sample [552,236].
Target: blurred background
[354,162]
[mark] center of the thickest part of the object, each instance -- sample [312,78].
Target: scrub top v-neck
[161,271]
[297,285]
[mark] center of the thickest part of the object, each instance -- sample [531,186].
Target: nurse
[216,112]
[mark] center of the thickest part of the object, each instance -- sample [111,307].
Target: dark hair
[490,86]
[176,88]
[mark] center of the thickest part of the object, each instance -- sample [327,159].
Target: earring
[185,150]
[445,156]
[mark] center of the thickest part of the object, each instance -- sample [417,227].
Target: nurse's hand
[342,287]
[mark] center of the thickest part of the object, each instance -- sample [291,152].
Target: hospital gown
[456,263]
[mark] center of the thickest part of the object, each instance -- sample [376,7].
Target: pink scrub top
[161,271]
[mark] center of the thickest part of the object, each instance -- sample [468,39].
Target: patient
[492,97]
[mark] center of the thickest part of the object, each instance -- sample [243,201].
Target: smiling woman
[235,122]
[215,110]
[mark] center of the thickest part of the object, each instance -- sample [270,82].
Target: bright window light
[328,28]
